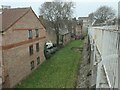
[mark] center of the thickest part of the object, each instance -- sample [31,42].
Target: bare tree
[104,13]
[91,17]
[56,14]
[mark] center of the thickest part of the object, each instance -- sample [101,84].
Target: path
[84,69]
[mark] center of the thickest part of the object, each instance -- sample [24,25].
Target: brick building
[23,39]
[85,24]
[50,32]
[64,36]
[0,50]
[78,29]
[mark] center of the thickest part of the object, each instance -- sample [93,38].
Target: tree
[56,14]
[104,13]
[91,17]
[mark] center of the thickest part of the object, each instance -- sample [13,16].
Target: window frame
[37,47]
[31,50]
[32,65]
[30,36]
[38,60]
[37,32]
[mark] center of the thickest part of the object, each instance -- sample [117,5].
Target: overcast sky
[82,7]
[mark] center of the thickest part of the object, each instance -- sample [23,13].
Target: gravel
[84,69]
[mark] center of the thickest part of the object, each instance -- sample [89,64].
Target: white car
[49,44]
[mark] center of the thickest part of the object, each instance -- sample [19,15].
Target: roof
[43,21]
[11,16]
[83,18]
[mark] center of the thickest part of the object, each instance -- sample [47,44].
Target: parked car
[50,48]
[49,44]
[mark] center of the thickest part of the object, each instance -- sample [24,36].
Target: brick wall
[51,36]
[78,30]
[66,38]
[16,53]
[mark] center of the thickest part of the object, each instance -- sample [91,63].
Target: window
[37,47]
[61,38]
[37,33]
[38,60]
[32,65]
[30,34]
[31,49]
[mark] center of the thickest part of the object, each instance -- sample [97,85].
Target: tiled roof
[11,16]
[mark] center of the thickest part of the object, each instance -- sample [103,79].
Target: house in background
[51,36]
[64,33]
[85,24]
[64,36]
[23,39]
[50,32]
[77,28]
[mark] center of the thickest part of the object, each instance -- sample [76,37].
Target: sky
[82,7]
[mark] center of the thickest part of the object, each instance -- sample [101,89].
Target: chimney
[41,17]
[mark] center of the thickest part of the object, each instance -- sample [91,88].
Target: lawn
[59,71]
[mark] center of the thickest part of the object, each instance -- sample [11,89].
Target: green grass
[57,72]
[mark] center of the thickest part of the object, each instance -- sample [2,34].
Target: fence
[104,43]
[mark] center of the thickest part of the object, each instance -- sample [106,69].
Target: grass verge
[57,72]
